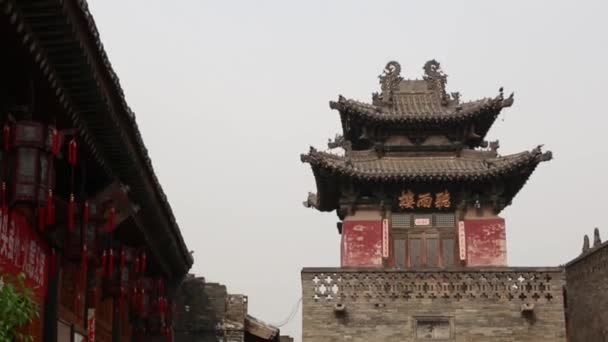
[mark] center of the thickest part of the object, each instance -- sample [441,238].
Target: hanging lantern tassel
[53,262]
[83,262]
[160,306]
[71,207]
[4,199]
[83,272]
[77,303]
[94,297]
[104,257]
[123,258]
[143,263]
[142,299]
[136,265]
[41,218]
[111,264]
[134,298]
[111,220]
[50,209]
[54,142]
[121,299]
[85,214]
[7,137]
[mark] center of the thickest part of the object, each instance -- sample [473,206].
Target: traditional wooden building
[83,215]
[418,190]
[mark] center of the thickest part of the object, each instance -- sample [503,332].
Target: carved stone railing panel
[502,284]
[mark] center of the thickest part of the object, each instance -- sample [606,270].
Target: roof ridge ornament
[389,84]
[585,243]
[437,80]
[596,238]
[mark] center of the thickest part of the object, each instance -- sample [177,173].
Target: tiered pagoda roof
[421,105]
[414,132]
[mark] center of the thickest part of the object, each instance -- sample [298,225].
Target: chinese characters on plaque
[22,251]
[410,200]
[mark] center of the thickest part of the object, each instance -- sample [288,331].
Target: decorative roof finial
[436,79]
[338,141]
[596,238]
[312,201]
[389,83]
[585,243]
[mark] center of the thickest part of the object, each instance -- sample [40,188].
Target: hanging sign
[462,241]
[410,200]
[22,251]
[422,221]
[385,239]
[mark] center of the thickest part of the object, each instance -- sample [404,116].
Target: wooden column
[51,304]
[116,321]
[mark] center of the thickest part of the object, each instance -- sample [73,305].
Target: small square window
[401,221]
[433,329]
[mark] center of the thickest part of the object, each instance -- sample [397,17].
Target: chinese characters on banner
[385,239]
[21,250]
[91,325]
[409,200]
[462,242]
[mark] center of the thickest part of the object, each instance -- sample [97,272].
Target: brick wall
[199,309]
[587,296]
[456,305]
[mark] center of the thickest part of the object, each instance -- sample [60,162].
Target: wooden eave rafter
[331,170]
[108,126]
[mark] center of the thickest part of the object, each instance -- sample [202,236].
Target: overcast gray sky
[228,94]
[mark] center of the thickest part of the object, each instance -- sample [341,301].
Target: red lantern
[72,152]
[71,208]
[7,136]
[54,142]
[50,209]
[104,257]
[111,220]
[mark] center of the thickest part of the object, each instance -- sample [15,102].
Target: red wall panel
[22,250]
[361,243]
[486,242]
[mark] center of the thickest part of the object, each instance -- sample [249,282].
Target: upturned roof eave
[327,175]
[105,129]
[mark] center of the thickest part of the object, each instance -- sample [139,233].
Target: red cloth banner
[486,242]
[21,250]
[362,243]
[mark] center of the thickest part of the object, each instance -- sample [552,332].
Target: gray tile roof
[428,112]
[427,168]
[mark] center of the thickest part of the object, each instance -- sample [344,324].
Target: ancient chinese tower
[418,191]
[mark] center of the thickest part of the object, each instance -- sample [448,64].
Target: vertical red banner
[462,241]
[486,242]
[385,239]
[361,243]
[22,250]
[91,325]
